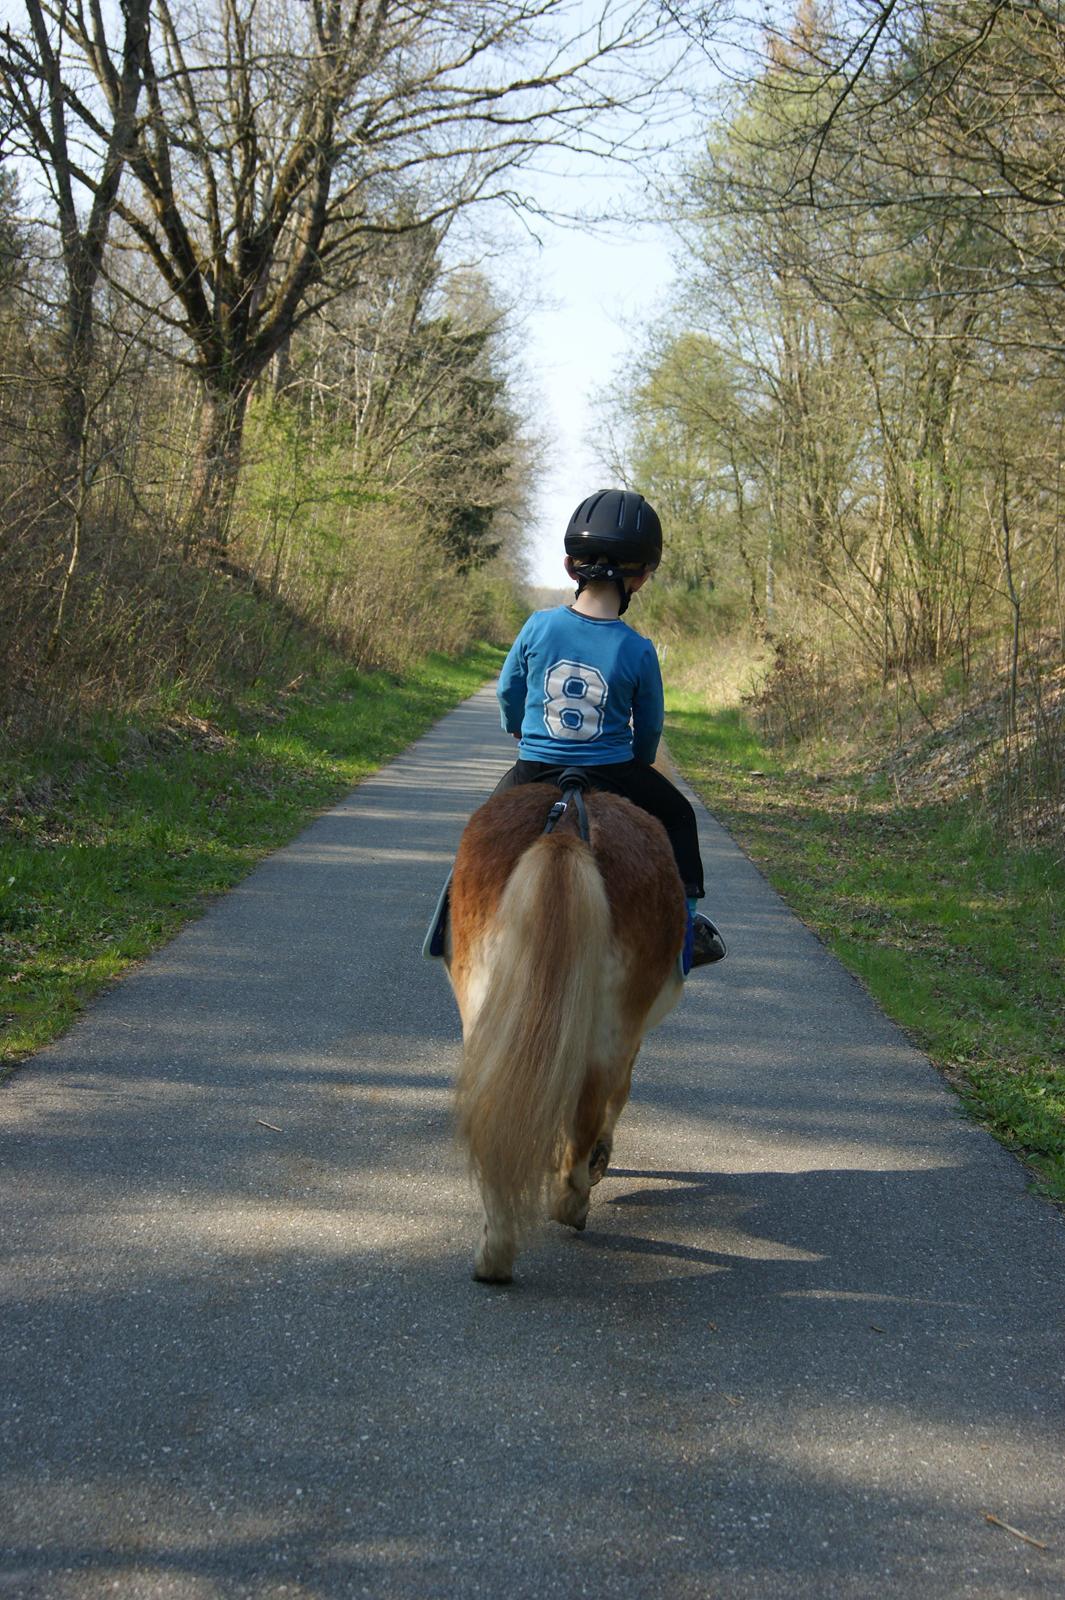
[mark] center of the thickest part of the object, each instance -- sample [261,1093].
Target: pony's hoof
[571,1211]
[485,1275]
[599,1161]
[492,1265]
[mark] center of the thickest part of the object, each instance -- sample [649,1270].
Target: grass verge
[960,939]
[110,842]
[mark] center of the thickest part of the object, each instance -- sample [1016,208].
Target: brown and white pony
[562,954]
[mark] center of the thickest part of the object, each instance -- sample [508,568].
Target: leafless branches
[272,146]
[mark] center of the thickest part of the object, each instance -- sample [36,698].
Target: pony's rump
[559,950]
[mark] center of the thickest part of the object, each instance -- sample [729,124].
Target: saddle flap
[434,944]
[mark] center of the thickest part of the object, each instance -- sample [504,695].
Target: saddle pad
[436,933]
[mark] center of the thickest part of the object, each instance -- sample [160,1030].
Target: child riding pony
[567,920]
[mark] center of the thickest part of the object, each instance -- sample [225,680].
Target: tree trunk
[83,239]
[216,465]
[76,353]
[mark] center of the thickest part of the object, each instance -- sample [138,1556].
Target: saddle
[573,781]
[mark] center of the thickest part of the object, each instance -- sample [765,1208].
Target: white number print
[574,697]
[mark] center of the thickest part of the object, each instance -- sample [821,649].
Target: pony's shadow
[630,1244]
[684,1183]
[818,1230]
[718,1204]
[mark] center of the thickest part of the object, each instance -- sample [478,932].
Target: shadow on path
[811,1335]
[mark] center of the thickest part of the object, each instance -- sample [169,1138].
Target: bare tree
[49,119]
[279,142]
[927,115]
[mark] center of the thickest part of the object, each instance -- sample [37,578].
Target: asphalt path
[810,1339]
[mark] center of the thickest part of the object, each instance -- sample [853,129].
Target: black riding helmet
[613,532]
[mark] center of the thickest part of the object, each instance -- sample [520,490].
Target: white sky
[584,296]
[600,292]
[587,295]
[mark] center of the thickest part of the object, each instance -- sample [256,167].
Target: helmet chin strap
[603,572]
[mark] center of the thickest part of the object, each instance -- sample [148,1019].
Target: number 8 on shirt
[574,697]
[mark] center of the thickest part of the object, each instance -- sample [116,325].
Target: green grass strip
[111,842]
[960,938]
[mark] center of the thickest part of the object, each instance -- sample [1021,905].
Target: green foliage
[465,440]
[839,419]
[357,553]
[687,456]
[369,488]
[960,939]
[111,841]
[850,436]
[696,633]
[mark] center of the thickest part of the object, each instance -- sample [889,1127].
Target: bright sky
[587,295]
[600,293]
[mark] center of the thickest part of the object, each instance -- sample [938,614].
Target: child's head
[598,567]
[614,537]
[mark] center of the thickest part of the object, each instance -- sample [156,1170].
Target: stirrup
[707,943]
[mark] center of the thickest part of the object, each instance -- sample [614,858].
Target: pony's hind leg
[603,1148]
[599,1160]
[574,1182]
[498,1247]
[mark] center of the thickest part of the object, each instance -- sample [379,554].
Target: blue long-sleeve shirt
[582,690]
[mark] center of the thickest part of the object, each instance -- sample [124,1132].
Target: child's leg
[647,788]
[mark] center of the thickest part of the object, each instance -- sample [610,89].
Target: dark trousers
[646,788]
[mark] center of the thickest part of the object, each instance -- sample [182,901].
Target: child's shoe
[707,943]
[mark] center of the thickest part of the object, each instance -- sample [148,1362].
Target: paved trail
[811,1336]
